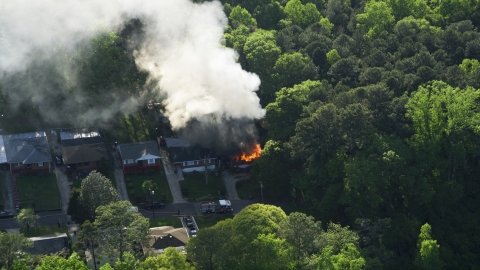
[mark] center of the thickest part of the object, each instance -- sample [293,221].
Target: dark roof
[27,147]
[176,142]
[167,236]
[48,244]
[181,154]
[83,150]
[137,150]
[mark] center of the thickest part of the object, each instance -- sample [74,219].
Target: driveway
[230,183]
[7,191]
[119,177]
[62,179]
[172,178]
[63,186]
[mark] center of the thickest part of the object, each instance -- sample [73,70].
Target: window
[151,161]
[127,161]
[40,164]
[18,164]
[188,163]
[195,162]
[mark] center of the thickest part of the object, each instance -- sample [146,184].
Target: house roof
[3,155]
[167,236]
[48,244]
[176,142]
[181,154]
[83,150]
[139,151]
[77,133]
[28,148]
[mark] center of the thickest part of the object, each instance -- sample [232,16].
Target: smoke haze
[206,92]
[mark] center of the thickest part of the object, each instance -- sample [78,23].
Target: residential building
[140,156]
[83,153]
[167,236]
[49,244]
[27,152]
[190,158]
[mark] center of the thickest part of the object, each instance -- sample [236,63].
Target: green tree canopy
[59,263]
[27,217]
[97,190]
[376,19]
[170,259]
[300,14]
[428,256]
[240,16]
[10,245]
[123,229]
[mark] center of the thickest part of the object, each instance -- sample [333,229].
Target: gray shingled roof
[28,148]
[138,150]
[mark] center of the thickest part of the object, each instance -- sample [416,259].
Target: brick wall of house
[35,168]
[143,166]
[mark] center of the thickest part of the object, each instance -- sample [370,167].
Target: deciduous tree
[97,190]
[123,229]
[10,245]
[27,218]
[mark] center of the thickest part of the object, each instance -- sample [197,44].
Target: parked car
[193,231]
[6,215]
[59,160]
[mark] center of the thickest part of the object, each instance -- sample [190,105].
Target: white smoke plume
[181,51]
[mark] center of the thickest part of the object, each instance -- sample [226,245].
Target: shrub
[131,193]
[130,185]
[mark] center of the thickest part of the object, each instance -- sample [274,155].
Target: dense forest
[372,113]
[372,116]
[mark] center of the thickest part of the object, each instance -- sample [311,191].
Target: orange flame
[256,153]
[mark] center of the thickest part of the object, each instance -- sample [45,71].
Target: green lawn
[247,188]
[195,189]
[134,183]
[43,230]
[159,222]
[210,220]
[39,189]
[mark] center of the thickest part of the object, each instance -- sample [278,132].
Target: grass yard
[195,189]
[136,194]
[159,222]
[210,220]
[247,188]
[39,189]
[43,230]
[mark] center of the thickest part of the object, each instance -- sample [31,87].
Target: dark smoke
[228,137]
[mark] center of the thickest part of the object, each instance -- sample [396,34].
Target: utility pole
[261,189]
[153,206]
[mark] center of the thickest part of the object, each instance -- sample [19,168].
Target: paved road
[46,219]
[172,178]
[119,177]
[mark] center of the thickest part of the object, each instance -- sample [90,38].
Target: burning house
[244,160]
